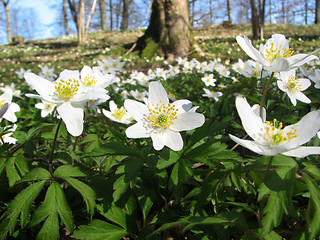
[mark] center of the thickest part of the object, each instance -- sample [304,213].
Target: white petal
[85,71]
[305,83]
[187,121]
[157,93]
[72,117]
[279,65]
[303,98]
[158,140]
[182,105]
[255,147]
[302,152]
[307,128]
[43,86]
[137,131]
[136,109]
[298,60]
[69,74]
[292,98]
[174,140]
[251,123]
[246,46]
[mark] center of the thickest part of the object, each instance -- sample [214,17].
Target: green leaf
[21,206]
[68,171]
[11,171]
[99,230]
[36,174]
[54,202]
[315,200]
[115,148]
[87,193]
[50,228]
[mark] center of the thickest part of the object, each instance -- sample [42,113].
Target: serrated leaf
[68,171]
[99,230]
[21,206]
[11,171]
[36,174]
[87,193]
[50,228]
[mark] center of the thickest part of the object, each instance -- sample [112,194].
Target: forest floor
[64,53]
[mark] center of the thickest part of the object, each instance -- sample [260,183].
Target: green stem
[54,142]
[263,98]
[268,168]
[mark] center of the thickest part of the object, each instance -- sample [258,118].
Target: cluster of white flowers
[269,137]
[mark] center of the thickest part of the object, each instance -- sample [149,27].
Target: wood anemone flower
[270,138]
[275,55]
[161,120]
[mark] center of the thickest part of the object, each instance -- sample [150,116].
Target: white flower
[47,73]
[209,80]
[117,114]
[269,138]
[46,108]
[314,76]
[294,86]
[94,78]
[69,95]
[3,109]
[161,120]
[275,55]
[7,137]
[12,89]
[9,115]
[211,94]
[138,95]
[110,65]
[21,72]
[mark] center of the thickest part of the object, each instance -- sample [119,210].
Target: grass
[64,53]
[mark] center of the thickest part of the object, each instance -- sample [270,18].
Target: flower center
[89,81]
[48,106]
[119,113]
[2,102]
[162,116]
[275,135]
[273,53]
[293,84]
[65,89]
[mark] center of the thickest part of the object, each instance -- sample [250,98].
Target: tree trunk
[111,14]
[65,17]
[8,20]
[229,6]
[254,20]
[317,17]
[103,15]
[262,6]
[81,35]
[125,15]
[74,12]
[169,31]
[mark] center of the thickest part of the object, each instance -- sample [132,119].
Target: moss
[150,49]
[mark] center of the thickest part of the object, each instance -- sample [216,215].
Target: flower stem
[268,168]
[263,98]
[54,142]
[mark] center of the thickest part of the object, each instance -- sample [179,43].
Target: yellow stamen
[273,53]
[274,133]
[65,89]
[89,81]
[162,116]
[119,113]
[293,84]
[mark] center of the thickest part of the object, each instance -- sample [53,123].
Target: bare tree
[65,17]
[125,15]
[8,24]
[229,7]
[257,18]
[103,15]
